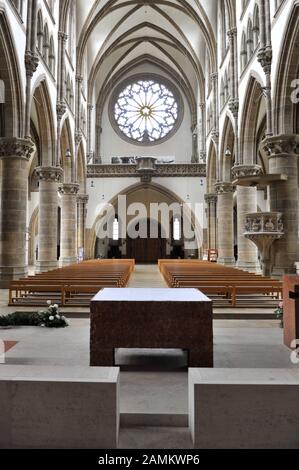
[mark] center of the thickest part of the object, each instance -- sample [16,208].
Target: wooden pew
[226,285]
[74,283]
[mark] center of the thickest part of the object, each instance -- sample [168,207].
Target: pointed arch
[248,138]
[13,116]
[227,151]
[47,135]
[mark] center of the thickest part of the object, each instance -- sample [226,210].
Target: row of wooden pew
[72,285]
[226,286]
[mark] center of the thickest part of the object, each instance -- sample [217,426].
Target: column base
[68,261]
[8,274]
[251,267]
[279,271]
[45,266]
[227,261]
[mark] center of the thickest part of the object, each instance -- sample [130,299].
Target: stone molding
[283,144]
[51,174]
[224,188]
[14,147]
[240,171]
[69,189]
[161,170]
[211,198]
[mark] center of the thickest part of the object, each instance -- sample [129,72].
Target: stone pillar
[203,148]
[49,177]
[247,251]
[211,201]
[283,159]
[82,201]
[14,154]
[225,223]
[68,192]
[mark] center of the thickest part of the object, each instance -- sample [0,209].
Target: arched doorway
[147,250]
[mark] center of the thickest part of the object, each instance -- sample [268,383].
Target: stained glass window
[146,111]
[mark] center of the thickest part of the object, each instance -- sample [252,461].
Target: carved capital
[224,188]
[240,171]
[82,199]
[281,145]
[90,107]
[79,79]
[232,33]
[233,106]
[60,110]
[211,198]
[49,174]
[69,189]
[265,58]
[31,63]
[215,135]
[214,77]
[62,36]
[78,138]
[16,148]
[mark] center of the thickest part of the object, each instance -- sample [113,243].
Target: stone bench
[58,407]
[244,408]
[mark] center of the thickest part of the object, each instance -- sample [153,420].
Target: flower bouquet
[51,317]
[279,313]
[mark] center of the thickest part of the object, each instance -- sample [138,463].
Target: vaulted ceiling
[115,36]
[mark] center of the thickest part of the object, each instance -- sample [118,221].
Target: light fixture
[228,153]
[68,153]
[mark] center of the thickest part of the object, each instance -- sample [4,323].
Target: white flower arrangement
[51,318]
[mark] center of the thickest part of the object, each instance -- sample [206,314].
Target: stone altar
[151,318]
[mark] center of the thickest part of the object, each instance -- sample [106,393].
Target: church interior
[149,200]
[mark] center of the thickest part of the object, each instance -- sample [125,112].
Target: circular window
[146,110]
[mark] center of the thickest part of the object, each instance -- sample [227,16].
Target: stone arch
[42,103]
[227,151]
[164,194]
[81,169]
[211,169]
[286,82]
[248,135]
[67,153]
[13,125]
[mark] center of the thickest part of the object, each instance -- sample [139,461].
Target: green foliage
[21,319]
[49,318]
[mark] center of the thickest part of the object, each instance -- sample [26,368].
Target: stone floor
[153,385]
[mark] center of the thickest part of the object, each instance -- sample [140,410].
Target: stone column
[283,153]
[247,251]
[211,201]
[68,192]
[225,223]
[203,149]
[82,201]
[15,154]
[49,177]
